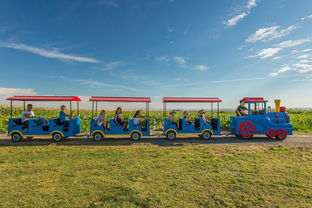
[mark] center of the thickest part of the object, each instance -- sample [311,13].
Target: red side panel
[45,98]
[254,100]
[121,99]
[190,99]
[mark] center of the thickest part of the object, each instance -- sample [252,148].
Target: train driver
[241,109]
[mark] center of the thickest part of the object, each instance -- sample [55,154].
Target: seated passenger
[27,114]
[118,119]
[186,115]
[201,114]
[64,116]
[171,118]
[100,120]
[136,118]
[241,109]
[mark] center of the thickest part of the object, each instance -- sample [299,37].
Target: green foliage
[301,120]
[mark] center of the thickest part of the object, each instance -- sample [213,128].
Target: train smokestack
[277,105]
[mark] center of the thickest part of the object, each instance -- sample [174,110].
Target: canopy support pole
[96,107]
[218,110]
[164,110]
[11,112]
[24,105]
[78,111]
[211,109]
[148,109]
[70,106]
[92,109]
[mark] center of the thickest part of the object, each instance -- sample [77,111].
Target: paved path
[295,140]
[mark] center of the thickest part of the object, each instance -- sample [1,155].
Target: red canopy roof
[254,100]
[121,99]
[190,99]
[45,98]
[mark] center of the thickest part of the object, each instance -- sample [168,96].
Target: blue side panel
[168,125]
[190,128]
[41,126]
[262,123]
[118,130]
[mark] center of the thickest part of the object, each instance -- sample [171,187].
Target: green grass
[152,176]
[301,120]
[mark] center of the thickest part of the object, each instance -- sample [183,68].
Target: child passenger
[100,120]
[26,115]
[137,117]
[201,114]
[186,115]
[171,117]
[64,116]
[118,118]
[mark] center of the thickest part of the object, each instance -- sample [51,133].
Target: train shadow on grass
[157,141]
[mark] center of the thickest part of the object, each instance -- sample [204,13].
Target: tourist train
[257,120]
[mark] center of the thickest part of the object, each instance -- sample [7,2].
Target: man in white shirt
[27,114]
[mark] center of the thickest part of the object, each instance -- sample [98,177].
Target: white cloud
[291,43]
[201,67]
[304,56]
[303,67]
[110,65]
[307,50]
[234,20]
[180,59]
[306,17]
[251,3]
[266,53]
[8,92]
[305,61]
[269,33]
[47,53]
[281,70]
[162,59]
[111,3]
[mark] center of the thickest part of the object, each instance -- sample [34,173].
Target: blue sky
[156,48]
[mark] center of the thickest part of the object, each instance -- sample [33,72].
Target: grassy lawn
[152,176]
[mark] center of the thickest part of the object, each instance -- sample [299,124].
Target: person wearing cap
[171,117]
[242,109]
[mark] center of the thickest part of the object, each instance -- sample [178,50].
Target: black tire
[16,137]
[135,136]
[206,135]
[171,135]
[246,138]
[57,137]
[280,138]
[97,136]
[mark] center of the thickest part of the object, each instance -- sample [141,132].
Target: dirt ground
[294,140]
